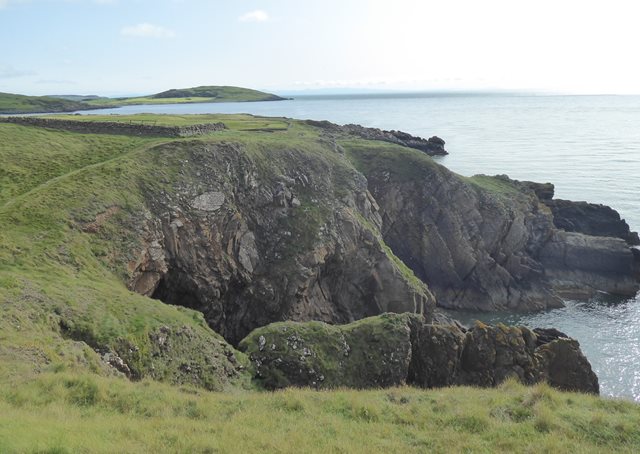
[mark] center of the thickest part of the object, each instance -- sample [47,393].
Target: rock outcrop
[392,350]
[247,248]
[433,146]
[350,229]
[579,266]
[489,243]
[591,219]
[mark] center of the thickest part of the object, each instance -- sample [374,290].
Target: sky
[132,47]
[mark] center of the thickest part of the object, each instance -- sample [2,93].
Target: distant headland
[22,104]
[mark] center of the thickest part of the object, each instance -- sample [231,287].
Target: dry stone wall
[115,127]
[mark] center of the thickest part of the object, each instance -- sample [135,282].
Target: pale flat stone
[209,201]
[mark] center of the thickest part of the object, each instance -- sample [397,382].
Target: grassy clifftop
[64,309]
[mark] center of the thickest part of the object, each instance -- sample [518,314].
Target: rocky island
[270,252]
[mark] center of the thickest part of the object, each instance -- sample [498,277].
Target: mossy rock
[370,353]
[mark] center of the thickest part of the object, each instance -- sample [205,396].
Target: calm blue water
[588,146]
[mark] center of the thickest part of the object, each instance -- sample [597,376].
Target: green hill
[19,104]
[192,95]
[89,365]
[214,92]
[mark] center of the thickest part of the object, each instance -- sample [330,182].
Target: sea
[587,146]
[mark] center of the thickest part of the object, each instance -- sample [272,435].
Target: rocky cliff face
[248,247]
[392,350]
[249,237]
[492,243]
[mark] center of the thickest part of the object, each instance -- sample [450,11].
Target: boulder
[493,354]
[371,353]
[564,366]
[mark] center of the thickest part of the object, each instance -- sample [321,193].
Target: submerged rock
[396,349]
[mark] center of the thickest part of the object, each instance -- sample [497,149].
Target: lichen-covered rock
[392,349]
[370,353]
[436,355]
[494,353]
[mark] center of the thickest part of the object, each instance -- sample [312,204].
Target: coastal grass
[397,162]
[65,412]
[236,122]
[494,185]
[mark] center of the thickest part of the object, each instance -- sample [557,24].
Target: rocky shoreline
[394,350]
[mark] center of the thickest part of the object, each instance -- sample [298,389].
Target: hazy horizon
[121,48]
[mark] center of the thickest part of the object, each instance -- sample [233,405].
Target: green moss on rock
[370,353]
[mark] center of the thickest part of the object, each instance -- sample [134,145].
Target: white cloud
[257,15]
[9,72]
[5,3]
[146,30]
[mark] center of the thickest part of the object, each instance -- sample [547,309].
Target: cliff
[238,229]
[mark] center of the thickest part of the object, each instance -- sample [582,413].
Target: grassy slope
[82,413]
[191,95]
[17,104]
[55,393]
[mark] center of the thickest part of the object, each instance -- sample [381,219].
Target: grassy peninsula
[19,104]
[71,207]
[191,95]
